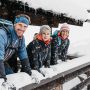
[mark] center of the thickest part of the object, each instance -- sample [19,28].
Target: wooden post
[59,87]
[88,74]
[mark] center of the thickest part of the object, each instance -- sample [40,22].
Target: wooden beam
[81,85]
[60,78]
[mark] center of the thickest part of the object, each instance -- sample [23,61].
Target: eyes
[46,33]
[65,31]
[22,25]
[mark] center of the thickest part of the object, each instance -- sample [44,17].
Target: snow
[79,45]
[80,41]
[36,76]
[48,72]
[71,83]
[63,6]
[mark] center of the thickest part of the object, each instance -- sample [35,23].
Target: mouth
[20,30]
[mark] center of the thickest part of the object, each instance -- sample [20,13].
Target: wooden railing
[56,82]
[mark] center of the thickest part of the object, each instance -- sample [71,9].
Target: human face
[20,28]
[46,35]
[64,34]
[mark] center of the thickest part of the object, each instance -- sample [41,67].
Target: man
[14,43]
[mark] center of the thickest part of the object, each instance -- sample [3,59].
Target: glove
[47,63]
[26,66]
[64,58]
[2,70]
[53,61]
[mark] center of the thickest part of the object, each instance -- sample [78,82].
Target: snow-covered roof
[60,6]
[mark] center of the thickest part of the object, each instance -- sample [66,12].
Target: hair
[44,27]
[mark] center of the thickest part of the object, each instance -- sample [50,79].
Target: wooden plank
[60,78]
[81,85]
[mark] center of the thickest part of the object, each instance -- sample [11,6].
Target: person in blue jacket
[11,42]
[60,44]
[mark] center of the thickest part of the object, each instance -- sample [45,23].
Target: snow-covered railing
[82,84]
[56,82]
[64,72]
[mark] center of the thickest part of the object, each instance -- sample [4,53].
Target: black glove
[26,66]
[2,70]
[53,61]
[47,63]
[64,58]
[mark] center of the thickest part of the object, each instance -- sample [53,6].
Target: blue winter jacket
[9,45]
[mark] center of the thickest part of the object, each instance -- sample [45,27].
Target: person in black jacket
[60,44]
[39,50]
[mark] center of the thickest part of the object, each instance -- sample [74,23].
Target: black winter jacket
[39,54]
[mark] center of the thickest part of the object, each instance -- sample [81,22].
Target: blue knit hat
[23,19]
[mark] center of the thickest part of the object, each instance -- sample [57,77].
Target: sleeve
[67,46]
[29,50]
[22,53]
[33,49]
[65,50]
[2,47]
[48,58]
[54,50]
[2,53]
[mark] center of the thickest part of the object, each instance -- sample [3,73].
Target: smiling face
[65,34]
[45,35]
[20,28]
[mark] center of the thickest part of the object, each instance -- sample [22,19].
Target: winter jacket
[39,54]
[59,48]
[9,44]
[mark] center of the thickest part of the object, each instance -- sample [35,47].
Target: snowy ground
[80,45]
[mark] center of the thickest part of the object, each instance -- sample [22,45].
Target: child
[60,44]
[39,50]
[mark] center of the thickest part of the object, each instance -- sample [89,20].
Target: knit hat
[64,27]
[44,27]
[22,19]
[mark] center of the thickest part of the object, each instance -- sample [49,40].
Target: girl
[39,50]
[60,44]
